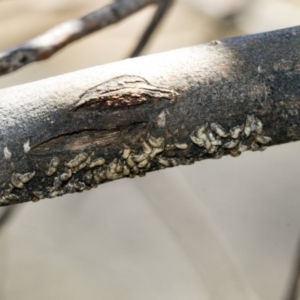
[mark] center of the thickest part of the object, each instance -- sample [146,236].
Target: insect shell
[250,125]
[183,146]
[77,160]
[82,165]
[142,173]
[126,170]
[139,157]
[113,176]
[39,195]
[7,153]
[126,152]
[199,142]
[12,197]
[212,149]
[27,176]
[89,159]
[57,182]
[218,129]
[96,177]
[156,143]
[199,131]
[170,147]
[254,146]
[143,163]
[259,126]
[174,162]
[88,177]
[207,143]
[147,168]
[214,141]
[97,162]
[3,200]
[217,155]
[156,151]
[242,148]
[111,172]
[231,144]
[146,148]
[18,179]
[130,162]
[235,131]
[69,187]
[135,170]
[53,194]
[102,174]
[8,190]
[67,175]
[234,152]
[263,139]
[164,162]
[79,186]
[247,128]
[52,166]
[253,123]
[112,166]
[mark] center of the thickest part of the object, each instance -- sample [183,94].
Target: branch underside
[50,42]
[73,132]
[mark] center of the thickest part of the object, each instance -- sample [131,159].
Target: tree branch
[293,288]
[72,132]
[6,215]
[158,16]
[47,44]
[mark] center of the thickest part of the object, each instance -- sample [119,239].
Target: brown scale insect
[199,142]
[97,162]
[126,152]
[67,175]
[182,146]
[156,143]
[263,139]
[18,180]
[200,130]
[77,160]
[146,147]
[164,162]
[52,166]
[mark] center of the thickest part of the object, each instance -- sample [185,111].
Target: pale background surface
[225,229]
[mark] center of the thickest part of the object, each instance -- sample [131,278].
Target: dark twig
[293,290]
[47,44]
[6,215]
[160,12]
[73,132]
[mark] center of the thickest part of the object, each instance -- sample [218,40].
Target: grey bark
[72,132]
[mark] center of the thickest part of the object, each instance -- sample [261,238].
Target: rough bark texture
[72,132]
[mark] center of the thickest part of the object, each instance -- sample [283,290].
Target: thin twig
[47,44]
[160,12]
[6,215]
[293,290]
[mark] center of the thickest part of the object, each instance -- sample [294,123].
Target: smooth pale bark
[72,132]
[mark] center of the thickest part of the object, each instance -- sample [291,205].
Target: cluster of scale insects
[96,171]
[216,141]
[212,138]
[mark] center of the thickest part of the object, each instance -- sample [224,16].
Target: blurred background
[219,229]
